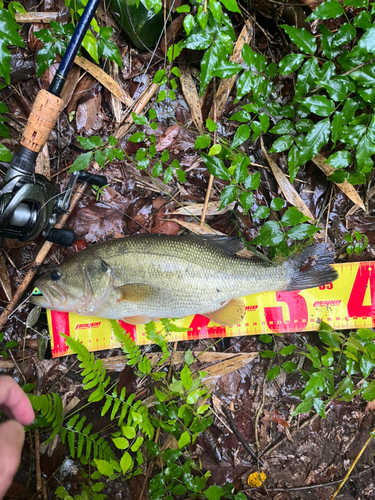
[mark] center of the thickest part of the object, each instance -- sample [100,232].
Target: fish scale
[161,276]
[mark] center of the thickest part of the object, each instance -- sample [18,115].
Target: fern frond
[50,407]
[129,348]
[94,372]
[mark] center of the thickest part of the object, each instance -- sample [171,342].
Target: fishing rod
[29,203]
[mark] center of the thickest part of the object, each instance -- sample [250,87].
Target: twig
[351,467]
[40,486]
[211,179]
[149,469]
[42,254]
[260,409]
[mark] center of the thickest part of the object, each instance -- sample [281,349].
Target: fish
[148,277]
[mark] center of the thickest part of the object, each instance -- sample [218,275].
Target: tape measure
[347,303]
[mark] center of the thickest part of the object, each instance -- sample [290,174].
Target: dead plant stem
[211,179]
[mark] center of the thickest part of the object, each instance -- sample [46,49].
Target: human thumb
[12,436]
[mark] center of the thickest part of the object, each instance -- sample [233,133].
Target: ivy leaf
[108,49]
[228,196]
[341,159]
[290,63]
[331,9]
[319,105]
[301,38]
[231,5]
[242,134]
[216,167]
[209,62]
[226,69]
[81,162]
[269,235]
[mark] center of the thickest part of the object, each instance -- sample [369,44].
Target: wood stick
[42,254]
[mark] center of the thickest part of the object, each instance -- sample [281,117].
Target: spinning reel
[30,204]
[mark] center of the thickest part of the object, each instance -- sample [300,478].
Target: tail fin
[311,268]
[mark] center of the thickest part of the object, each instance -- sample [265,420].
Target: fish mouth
[51,298]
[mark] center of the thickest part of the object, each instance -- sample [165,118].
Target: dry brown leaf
[86,83]
[226,85]
[36,17]
[106,17]
[70,85]
[345,187]
[104,79]
[214,372]
[287,188]
[117,363]
[6,364]
[43,166]
[197,208]
[4,277]
[196,228]
[192,98]
[115,102]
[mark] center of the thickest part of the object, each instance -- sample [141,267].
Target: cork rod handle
[42,119]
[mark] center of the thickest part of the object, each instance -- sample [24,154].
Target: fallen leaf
[4,277]
[70,85]
[88,109]
[192,98]
[167,140]
[345,186]
[84,85]
[197,208]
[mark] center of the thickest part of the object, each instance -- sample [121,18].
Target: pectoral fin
[137,320]
[231,314]
[135,292]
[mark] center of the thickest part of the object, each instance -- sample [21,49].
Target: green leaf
[8,36]
[331,9]
[213,492]
[241,173]
[301,38]
[209,62]
[338,89]
[126,462]
[5,154]
[281,144]
[304,407]
[91,142]
[104,467]
[289,366]
[307,76]
[253,181]
[184,439]
[168,174]
[202,141]
[267,354]
[186,378]
[366,365]
[283,127]
[226,69]
[211,125]
[290,63]
[46,57]
[80,163]
[314,386]
[228,196]
[215,149]
[367,42]
[287,350]
[216,167]
[198,41]
[277,204]
[269,235]
[341,159]
[139,119]
[273,373]
[128,431]
[265,121]
[253,59]
[183,8]
[231,5]
[189,358]
[247,200]
[319,105]
[265,338]
[137,137]
[319,407]
[262,213]
[90,44]
[242,134]
[216,10]
[301,231]
[293,216]
[121,443]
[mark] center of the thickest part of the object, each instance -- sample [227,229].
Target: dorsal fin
[228,244]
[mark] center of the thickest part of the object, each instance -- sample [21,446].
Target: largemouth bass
[147,277]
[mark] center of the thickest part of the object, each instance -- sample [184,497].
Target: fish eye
[55,274]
